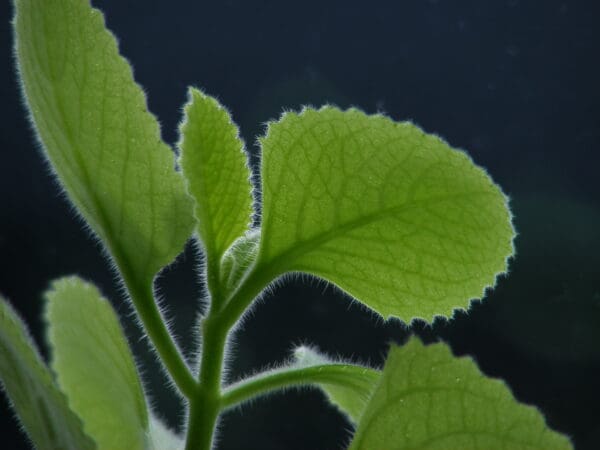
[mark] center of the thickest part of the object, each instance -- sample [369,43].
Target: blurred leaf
[40,406]
[162,438]
[94,365]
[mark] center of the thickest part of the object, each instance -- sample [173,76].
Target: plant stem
[206,404]
[356,377]
[250,288]
[143,299]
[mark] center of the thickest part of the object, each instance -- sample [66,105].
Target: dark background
[516,83]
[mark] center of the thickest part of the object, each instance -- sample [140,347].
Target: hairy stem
[154,324]
[356,377]
[205,405]
[207,401]
[250,288]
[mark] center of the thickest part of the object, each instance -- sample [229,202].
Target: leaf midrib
[285,260]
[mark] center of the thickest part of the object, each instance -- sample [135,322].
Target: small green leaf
[390,214]
[350,399]
[94,365]
[40,406]
[238,259]
[215,164]
[429,399]
[95,127]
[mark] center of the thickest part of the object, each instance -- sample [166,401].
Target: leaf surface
[96,130]
[215,164]
[429,399]
[94,365]
[40,406]
[390,214]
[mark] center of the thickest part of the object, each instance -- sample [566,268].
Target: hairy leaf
[392,215]
[40,406]
[238,260]
[94,365]
[350,399]
[97,132]
[428,399]
[214,162]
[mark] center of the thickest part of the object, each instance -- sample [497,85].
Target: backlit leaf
[215,164]
[428,399]
[392,215]
[40,406]
[94,365]
[96,130]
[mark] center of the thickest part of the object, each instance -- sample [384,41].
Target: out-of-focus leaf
[94,365]
[41,408]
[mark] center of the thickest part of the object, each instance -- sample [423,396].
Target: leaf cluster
[393,216]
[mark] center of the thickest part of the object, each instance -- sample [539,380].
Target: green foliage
[99,136]
[429,399]
[40,406]
[94,365]
[393,216]
[215,163]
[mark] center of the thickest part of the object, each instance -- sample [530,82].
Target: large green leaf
[102,142]
[40,406]
[392,215]
[94,365]
[428,399]
[214,162]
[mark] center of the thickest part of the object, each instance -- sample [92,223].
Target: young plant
[397,219]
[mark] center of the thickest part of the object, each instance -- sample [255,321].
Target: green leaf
[97,132]
[238,260]
[350,399]
[215,164]
[428,399]
[390,214]
[94,365]
[40,406]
